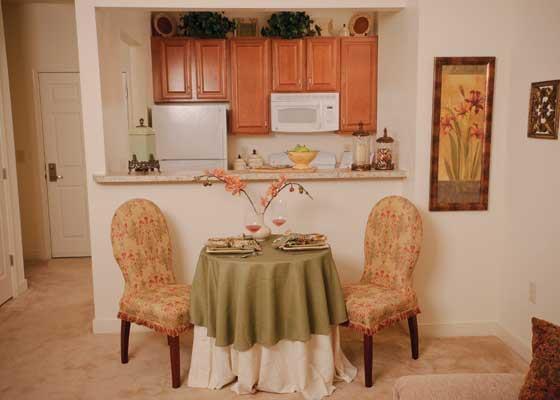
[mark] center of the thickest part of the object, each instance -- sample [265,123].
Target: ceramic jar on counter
[239,164]
[255,160]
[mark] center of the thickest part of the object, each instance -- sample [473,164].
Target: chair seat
[371,307]
[163,308]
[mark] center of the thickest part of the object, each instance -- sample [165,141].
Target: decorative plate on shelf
[165,25]
[361,24]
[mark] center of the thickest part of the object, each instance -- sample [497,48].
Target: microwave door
[297,117]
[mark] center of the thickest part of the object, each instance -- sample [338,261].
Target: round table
[277,305]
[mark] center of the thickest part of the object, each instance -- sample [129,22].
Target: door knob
[53,176]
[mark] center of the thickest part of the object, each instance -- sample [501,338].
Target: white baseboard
[516,344]
[21,287]
[470,328]
[113,325]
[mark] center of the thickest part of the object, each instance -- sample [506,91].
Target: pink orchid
[236,186]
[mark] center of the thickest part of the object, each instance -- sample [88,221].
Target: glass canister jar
[142,142]
[384,152]
[361,149]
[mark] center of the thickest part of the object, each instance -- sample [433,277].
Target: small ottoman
[458,387]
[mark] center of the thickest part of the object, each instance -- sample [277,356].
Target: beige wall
[124,45]
[39,38]
[532,183]
[458,273]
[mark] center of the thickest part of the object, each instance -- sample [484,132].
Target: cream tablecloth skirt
[289,366]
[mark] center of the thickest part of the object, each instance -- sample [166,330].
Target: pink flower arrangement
[236,186]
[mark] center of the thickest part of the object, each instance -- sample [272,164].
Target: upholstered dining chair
[384,294]
[142,248]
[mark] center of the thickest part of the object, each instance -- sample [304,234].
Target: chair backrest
[392,243]
[141,244]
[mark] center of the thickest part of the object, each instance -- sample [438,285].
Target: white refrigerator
[190,136]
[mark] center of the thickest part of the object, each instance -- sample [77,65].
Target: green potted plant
[290,25]
[206,24]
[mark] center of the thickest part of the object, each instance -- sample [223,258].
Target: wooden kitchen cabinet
[358,83]
[211,69]
[251,86]
[171,68]
[323,61]
[179,64]
[288,68]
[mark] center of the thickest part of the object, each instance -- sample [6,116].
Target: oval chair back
[141,244]
[392,243]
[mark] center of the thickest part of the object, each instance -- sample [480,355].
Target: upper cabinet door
[211,69]
[358,87]
[251,83]
[322,64]
[171,62]
[287,65]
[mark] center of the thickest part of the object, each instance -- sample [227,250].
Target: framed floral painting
[544,110]
[461,133]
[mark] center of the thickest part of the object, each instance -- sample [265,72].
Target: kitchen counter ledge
[189,177]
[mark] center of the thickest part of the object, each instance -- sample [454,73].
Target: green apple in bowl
[302,156]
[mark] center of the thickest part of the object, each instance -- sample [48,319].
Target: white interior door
[6,289]
[65,164]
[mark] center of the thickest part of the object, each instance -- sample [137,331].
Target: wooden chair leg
[413,328]
[175,355]
[125,334]
[368,360]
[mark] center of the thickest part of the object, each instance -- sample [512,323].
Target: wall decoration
[361,24]
[246,27]
[290,25]
[164,25]
[544,110]
[206,24]
[461,133]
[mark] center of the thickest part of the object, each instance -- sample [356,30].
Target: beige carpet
[47,350]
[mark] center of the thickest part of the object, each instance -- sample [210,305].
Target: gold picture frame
[461,133]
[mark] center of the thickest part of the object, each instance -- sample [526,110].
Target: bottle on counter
[344,31]
[239,164]
[255,160]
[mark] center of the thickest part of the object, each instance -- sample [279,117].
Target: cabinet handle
[309,81]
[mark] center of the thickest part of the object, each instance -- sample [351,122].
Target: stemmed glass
[279,212]
[252,221]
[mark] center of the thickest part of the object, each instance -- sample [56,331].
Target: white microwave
[304,112]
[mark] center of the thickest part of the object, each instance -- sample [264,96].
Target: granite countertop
[189,176]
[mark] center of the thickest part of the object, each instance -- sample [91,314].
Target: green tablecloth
[266,298]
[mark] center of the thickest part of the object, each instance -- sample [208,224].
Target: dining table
[268,321]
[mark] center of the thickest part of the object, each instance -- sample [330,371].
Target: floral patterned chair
[384,294]
[142,248]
